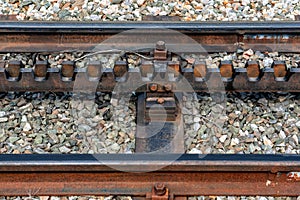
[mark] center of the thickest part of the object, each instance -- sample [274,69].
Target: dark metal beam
[116,27]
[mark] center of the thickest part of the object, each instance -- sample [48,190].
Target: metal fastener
[160,100]
[159,189]
[160,45]
[168,87]
[153,87]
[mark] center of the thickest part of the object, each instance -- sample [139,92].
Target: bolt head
[160,189]
[168,87]
[160,100]
[160,45]
[153,87]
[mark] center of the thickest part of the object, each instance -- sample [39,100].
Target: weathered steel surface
[214,42]
[182,184]
[159,133]
[106,81]
[214,37]
[188,175]
[11,17]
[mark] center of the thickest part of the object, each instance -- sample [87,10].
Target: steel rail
[116,27]
[83,36]
[183,175]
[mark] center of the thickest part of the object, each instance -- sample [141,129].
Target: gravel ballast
[261,123]
[62,123]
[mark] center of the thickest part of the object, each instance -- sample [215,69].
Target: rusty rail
[182,175]
[214,37]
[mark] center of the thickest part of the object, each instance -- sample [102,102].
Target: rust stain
[182,183]
[120,68]
[200,70]
[11,17]
[13,68]
[146,68]
[40,69]
[94,69]
[253,70]
[280,69]
[226,69]
[67,69]
[293,176]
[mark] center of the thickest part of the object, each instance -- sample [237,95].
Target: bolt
[160,189]
[168,87]
[153,87]
[160,100]
[160,45]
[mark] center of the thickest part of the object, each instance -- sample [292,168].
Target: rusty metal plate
[188,175]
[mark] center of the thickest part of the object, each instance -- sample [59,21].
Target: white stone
[196,126]
[3,119]
[265,2]
[64,149]
[242,133]
[140,2]
[29,105]
[2,113]
[261,129]
[298,124]
[27,127]
[24,118]
[223,138]
[295,138]
[195,151]
[245,2]
[282,135]
[253,126]
[267,142]
[197,119]
[249,52]
[114,102]
[267,62]
[115,147]
[56,7]
[234,141]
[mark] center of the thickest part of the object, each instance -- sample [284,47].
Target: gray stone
[3,119]
[64,149]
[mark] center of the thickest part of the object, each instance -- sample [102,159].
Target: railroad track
[170,59]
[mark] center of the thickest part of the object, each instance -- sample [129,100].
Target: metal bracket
[160,103]
[158,109]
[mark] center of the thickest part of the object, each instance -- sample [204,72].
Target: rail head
[116,27]
[149,162]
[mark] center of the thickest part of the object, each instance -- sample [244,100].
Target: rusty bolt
[160,100]
[153,87]
[160,189]
[168,87]
[160,45]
